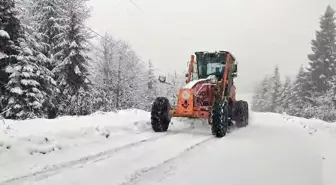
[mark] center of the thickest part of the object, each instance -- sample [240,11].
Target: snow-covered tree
[275,89]
[84,103]
[10,32]
[104,72]
[44,75]
[285,96]
[300,95]
[22,91]
[261,100]
[131,79]
[323,58]
[49,18]
[325,108]
[72,60]
[176,82]
[9,21]
[120,76]
[25,97]
[256,99]
[73,67]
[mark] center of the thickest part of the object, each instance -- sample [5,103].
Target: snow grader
[209,93]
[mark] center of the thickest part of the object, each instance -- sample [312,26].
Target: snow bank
[42,136]
[34,145]
[323,138]
[311,125]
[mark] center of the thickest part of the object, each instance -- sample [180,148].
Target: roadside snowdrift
[42,136]
[323,138]
[37,144]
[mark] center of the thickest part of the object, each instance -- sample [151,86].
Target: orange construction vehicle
[209,93]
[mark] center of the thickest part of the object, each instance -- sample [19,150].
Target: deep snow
[120,148]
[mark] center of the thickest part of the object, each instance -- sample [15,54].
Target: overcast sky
[260,33]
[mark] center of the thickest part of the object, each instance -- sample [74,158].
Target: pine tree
[24,98]
[261,100]
[10,32]
[72,71]
[256,99]
[327,103]
[81,104]
[44,76]
[49,19]
[266,94]
[325,109]
[300,96]
[275,90]
[285,97]
[323,58]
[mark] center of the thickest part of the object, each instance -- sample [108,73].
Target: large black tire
[219,119]
[241,113]
[160,117]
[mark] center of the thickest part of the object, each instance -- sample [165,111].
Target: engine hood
[191,84]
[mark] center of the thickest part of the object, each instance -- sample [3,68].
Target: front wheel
[219,118]
[160,117]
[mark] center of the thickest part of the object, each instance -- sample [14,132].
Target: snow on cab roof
[208,52]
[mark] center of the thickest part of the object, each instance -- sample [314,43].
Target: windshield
[210,64]
[215,69]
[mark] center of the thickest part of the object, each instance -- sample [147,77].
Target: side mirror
[235,68]
[162,79]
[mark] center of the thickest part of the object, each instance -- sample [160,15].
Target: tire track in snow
[49,171]
[134,177]
[139,173]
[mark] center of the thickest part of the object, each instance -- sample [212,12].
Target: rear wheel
[219,118]
[160,117]
[241,113]
[246,107]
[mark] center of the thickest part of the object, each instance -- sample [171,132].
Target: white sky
[260,33]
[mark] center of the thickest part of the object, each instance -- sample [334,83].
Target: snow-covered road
[252,156]
[272,150]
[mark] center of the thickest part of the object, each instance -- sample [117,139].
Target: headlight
[213,80]
[185,95]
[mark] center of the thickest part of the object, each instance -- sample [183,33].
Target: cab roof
[215,52]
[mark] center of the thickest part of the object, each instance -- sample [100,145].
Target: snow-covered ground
[120,148]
